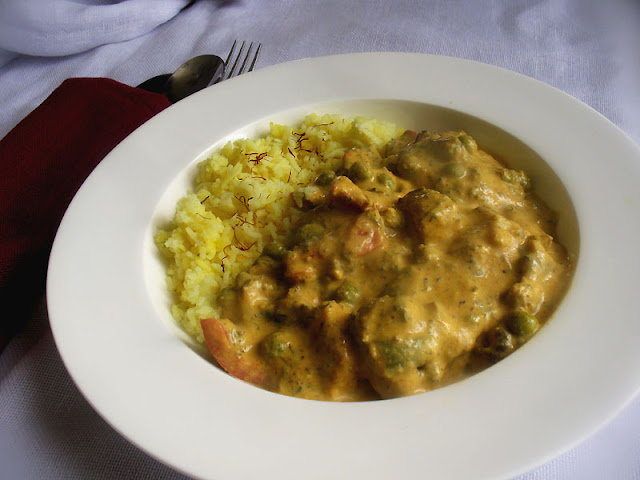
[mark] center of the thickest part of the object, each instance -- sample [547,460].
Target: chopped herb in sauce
[412,267]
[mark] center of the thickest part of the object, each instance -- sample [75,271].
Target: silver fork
[228,73]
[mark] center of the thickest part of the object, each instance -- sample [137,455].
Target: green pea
[397,353]
[325,178]
[393,218]
[469,143]
[452,149]
[515,177]
[393,355]
[386,181]
[348,293]
[274,345]
[274,250]
[522,324]
[309,232]
[359,172]
[454,169]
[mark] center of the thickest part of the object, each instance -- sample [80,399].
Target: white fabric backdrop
[65,27]
[588,49]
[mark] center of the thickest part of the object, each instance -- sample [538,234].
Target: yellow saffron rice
[245,196]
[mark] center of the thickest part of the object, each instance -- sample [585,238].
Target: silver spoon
[190,77]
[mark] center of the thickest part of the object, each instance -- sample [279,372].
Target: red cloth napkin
[43,162]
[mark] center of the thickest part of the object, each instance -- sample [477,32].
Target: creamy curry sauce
[413,267]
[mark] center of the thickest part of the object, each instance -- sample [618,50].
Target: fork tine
[231,63]
[255,58]
[235,63]
[246,58]
[233,47]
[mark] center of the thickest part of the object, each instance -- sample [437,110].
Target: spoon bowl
[190,77]
[194,75]
[200,72]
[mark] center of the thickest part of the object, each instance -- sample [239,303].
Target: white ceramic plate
[108,306]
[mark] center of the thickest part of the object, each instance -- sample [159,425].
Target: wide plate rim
[60,309]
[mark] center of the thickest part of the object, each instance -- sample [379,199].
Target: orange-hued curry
[413,267]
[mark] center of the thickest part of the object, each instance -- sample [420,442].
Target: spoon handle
[156,84]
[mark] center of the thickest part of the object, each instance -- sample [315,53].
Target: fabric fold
[65,27]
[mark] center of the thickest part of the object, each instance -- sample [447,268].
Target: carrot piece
[364,237]
[220,345]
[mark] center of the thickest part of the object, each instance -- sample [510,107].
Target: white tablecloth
[588,49]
